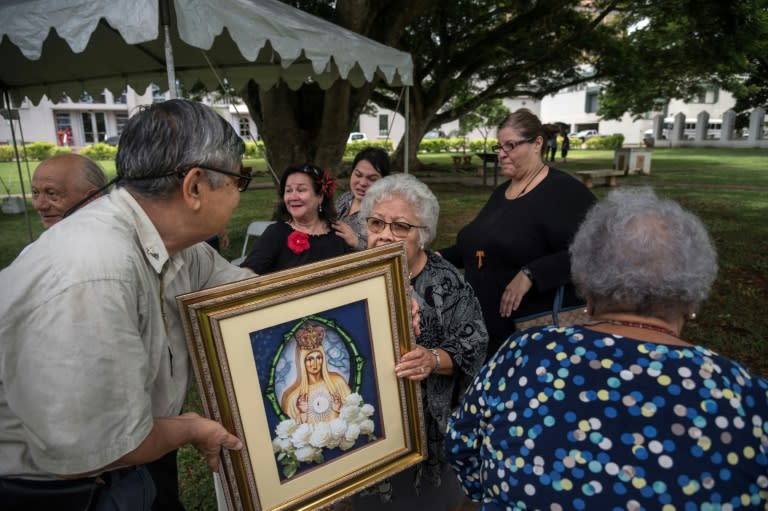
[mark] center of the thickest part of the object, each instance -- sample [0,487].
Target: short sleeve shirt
[91,343]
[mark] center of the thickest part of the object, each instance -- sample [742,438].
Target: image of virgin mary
[317,394]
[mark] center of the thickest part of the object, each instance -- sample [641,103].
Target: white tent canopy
[113,43]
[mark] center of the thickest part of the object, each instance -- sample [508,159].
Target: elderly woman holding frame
[621,412]
[449,349]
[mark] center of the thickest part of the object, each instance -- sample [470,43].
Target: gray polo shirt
[91,342]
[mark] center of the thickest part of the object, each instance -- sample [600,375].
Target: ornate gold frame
[219,321]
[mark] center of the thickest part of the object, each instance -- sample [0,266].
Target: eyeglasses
[399,229]
[509,146]
[243,177]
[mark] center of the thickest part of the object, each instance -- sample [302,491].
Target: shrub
[254,149]
[61,150]
[6,152]
[39,150]
[614,141]
[434,145]
[476,146]
[355,147]
[99,152]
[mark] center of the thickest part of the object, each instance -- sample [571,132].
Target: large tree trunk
[305,126]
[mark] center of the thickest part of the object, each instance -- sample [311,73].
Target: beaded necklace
[637,324]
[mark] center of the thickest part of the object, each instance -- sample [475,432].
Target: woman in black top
[515,252]
[302,233]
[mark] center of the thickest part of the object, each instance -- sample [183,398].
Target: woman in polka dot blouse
[619,413]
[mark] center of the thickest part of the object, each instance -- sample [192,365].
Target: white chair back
[255,229]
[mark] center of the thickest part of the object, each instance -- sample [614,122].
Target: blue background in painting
[353,319]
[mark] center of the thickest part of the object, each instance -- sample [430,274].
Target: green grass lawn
[728,189]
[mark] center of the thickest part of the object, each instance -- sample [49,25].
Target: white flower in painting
[321,435]
[301,434]
[353,431]
[366,427]
[286,428]
[306,454]
[353,399]
[350,414]
[338,427]
[296,443]
[333,442]
[282,444]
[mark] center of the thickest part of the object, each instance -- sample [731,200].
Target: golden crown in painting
[309,336]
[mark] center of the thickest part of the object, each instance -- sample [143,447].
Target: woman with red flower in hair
[304,214]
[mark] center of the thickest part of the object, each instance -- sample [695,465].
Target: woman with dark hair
[370,165]
[304,214]
[515,252]
[621,412]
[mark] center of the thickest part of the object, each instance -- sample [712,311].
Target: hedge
[99,151]
[355,147]
[35,151]
[615,141]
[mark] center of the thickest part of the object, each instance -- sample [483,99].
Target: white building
[577,108]
[89,119]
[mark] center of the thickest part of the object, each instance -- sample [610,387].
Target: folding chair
[255,229]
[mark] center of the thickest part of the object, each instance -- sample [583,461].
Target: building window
[707,95]
[157,94]
[592,102]
[120,121]
[383,125]
[245,127]
[122,98]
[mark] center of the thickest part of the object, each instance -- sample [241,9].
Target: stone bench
[592,178]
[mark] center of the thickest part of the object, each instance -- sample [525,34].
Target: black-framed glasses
[399,229]
[509,145]
[243,177]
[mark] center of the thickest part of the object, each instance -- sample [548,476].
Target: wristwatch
[528,273]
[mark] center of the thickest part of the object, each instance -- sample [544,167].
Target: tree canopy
[469,52]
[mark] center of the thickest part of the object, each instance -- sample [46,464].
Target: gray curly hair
[638,253]
[411,190]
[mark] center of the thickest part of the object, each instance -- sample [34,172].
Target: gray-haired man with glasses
[93,362]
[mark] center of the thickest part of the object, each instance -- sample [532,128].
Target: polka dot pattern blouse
[573,419]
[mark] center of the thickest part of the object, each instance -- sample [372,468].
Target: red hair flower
[327,184]
[298,242]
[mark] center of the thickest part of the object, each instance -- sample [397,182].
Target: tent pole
[7,99]
[165,20]
[407,130]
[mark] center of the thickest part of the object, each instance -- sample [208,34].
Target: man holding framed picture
[93,359]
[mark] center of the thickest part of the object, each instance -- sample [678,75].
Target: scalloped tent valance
[54,47]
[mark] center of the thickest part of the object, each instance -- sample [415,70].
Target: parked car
[356,136]
[585,134]
[435,134]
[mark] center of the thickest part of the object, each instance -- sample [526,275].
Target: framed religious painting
[299,364]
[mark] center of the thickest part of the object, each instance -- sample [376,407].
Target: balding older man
[63,181]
